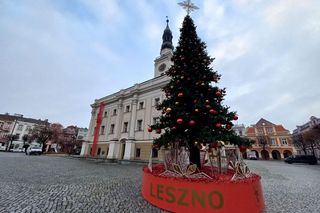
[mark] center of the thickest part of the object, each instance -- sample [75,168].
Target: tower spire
[167,37]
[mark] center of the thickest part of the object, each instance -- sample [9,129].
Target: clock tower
[163,62]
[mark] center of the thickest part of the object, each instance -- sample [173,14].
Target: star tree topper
[188,6]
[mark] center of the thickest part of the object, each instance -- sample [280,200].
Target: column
[133,117]
[84,148]
[129,152]
[119,120]
[113,150]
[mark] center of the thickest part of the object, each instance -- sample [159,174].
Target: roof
[18,118]
[250,130]
[280,128]
[264,122]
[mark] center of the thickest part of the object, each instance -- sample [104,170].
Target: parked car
[251,155]
[310,159]
[34,150]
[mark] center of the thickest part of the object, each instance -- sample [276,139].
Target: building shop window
[20,127]
[125,127]
[141,105]
[154,153]
[111,128]
[1,124]
[139,125]
[138,151]
[284,141]
[105,114]
[114,112]
[273,142]
[102,130]
[156,101]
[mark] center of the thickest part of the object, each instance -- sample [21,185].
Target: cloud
[57,57]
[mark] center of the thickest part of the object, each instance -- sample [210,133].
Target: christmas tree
[192,113]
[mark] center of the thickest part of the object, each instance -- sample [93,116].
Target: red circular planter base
[199,195]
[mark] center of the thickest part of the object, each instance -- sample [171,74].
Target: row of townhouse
[14,128]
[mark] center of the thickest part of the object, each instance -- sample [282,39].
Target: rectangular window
[128,108]
[114,112]
[20,127]
[156,101]
[125,127]
[16,137]
[154,153]
[139,125]
[105,114]
[273,142]
[260,131]
[155,120]
[269,130]
[284,141]
[102,130]
[138,151]
[141,105]
[111,128]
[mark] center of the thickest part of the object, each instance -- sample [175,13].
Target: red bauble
[243,149]
[192,123]
[173,128]
[180,94]
[218,125]
[235,117]
[179,121]
[228,126]
[149,129]
[208,106]
[212,111]
[158,131]
[218,93]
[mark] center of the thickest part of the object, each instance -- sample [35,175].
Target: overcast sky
[57,56]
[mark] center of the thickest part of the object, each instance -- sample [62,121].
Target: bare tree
[299,142]
[41,134]
[263,140]
[312,137]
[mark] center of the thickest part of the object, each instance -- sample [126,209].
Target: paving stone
[58,184]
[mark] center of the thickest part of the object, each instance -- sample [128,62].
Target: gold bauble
[168,110]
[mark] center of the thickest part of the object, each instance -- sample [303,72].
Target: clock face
[162,67]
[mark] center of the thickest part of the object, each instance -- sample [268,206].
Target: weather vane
[188,6]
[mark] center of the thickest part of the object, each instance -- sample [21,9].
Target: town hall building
[128,113]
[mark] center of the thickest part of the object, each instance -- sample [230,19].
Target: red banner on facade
[96,130]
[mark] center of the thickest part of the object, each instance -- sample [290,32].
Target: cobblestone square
[60,184]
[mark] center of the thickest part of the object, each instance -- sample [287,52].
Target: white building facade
[16,126]
[313,121]
[128,113]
